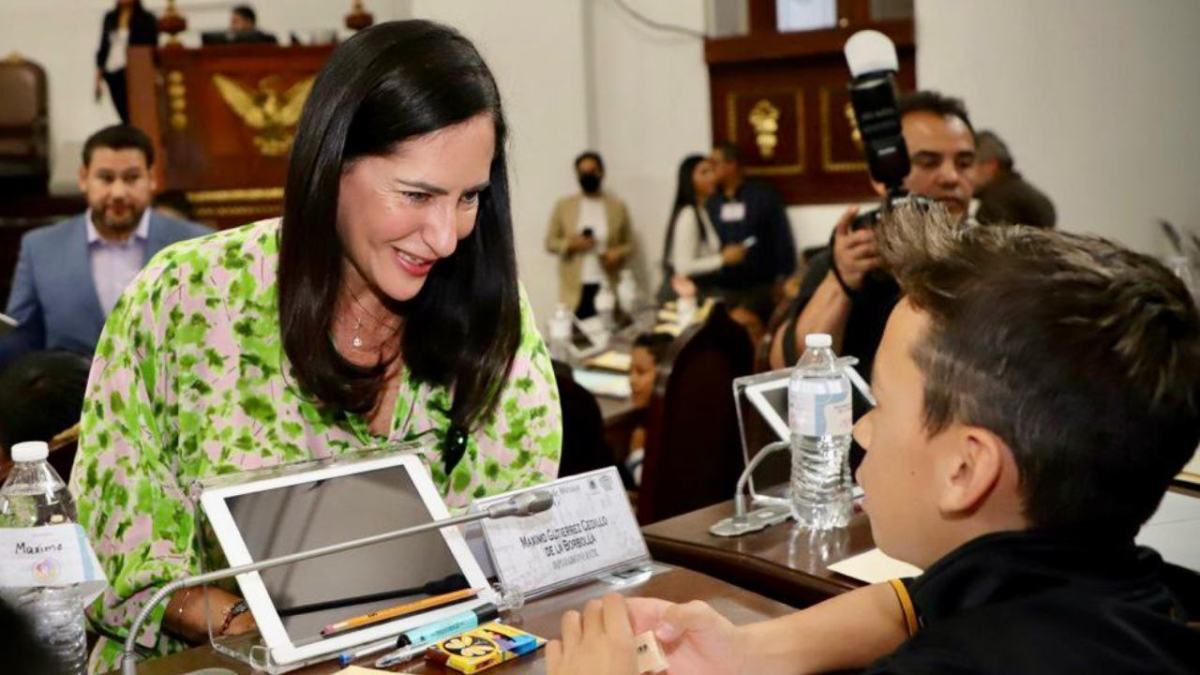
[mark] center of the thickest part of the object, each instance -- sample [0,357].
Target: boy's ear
[969,470]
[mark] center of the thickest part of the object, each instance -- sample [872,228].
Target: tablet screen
[312,594]
[770,399]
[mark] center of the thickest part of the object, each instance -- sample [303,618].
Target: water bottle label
[821,408]
[52,555]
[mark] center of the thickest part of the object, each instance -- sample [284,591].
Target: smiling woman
[383,307]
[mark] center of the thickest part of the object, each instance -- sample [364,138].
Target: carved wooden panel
[771,124]
[224,117]
[798,81]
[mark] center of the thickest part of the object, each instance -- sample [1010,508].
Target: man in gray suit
[69,275]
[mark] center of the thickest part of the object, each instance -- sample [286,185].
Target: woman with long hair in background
[692,250]
[128,24]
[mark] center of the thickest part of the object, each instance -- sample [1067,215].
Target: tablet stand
[249,649]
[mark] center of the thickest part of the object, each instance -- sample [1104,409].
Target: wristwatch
[235,610]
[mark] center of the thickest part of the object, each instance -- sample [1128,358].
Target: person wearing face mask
[69,275]
[692,255]
[591,234]
[382,308]
[846,292]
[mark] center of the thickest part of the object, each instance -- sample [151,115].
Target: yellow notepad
[612,360]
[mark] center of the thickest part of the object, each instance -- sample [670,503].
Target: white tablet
[770,399]
[301,511]
[589,337]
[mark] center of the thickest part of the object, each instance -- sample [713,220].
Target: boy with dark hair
[1037,391]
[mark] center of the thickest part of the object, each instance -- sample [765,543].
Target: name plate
[590,530]
[53,555]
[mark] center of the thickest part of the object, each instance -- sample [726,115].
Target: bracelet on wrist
[235,610]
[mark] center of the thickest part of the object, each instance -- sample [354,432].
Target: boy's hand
[598,643]
[696,639]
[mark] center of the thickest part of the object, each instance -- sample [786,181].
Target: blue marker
[346,658]
[449,627]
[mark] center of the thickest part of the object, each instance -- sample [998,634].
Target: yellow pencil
[399,610]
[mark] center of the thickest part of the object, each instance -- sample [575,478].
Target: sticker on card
[51,555]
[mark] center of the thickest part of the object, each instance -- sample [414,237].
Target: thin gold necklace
[356,340]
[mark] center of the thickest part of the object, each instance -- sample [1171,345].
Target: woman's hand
[242,623]
[696,639]
[186,616]
[600,642]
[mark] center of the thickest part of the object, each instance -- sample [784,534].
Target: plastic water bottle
[560,334]
[605,304]
[819,415]
[627,292]
[34,496]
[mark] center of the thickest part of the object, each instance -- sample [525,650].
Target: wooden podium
[222,119]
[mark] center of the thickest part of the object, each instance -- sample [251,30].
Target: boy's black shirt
[1030,602]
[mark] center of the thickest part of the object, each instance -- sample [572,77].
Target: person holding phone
[846,292]
[591,234]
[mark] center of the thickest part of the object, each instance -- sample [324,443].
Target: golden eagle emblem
[268,110]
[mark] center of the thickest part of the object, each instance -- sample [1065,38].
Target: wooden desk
[783,562]
[791,564]
[541,618]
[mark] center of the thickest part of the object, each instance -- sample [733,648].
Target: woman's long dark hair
[685,197]
[392,82]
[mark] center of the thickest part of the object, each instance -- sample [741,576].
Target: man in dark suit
[756,237]
[243,26]
[69,275]
[1005,197]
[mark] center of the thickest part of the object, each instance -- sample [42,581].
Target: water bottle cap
[818,340]
[30,451]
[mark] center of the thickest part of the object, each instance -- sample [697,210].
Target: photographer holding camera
[845,292]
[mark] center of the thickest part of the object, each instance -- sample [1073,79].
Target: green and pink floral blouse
[190,380]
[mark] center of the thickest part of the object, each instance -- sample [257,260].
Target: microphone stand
[742,522]
[522,505]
